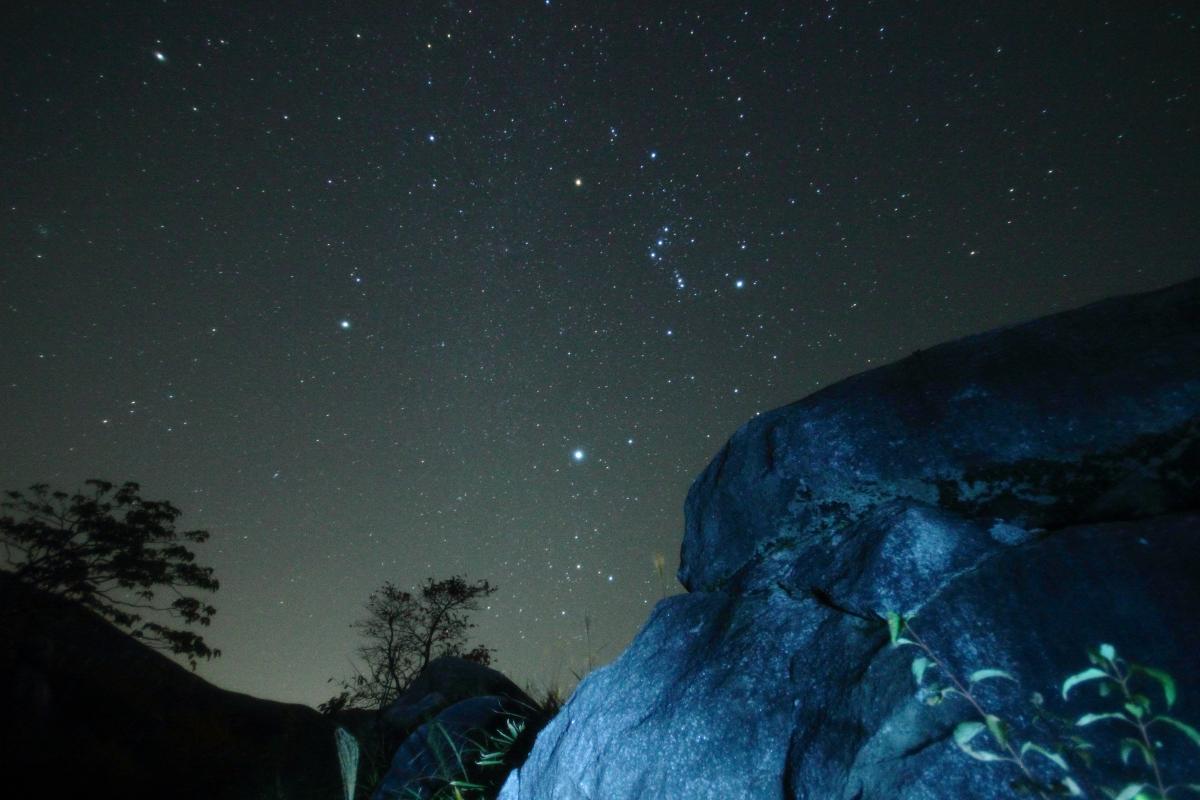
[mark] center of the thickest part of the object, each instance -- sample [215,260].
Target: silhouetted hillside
[90,712]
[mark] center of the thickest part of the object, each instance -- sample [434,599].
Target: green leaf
[983,755]
[964,732]
[985,674]
[1129,745]
[1164,680]
[1129,792]
[998,728]
[1088,719]
[894,622]
[1135,709]
[1072,787]
[1108,652]
[1089,674]
[1058,760]
[1183,727]
[919,665]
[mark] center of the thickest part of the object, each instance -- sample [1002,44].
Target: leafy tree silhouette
[111,551]
[403,631]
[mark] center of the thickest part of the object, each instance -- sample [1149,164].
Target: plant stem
[1143,728]
[966,694]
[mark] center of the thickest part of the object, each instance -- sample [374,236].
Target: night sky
[412,289]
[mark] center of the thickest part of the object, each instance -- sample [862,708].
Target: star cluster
[398,290]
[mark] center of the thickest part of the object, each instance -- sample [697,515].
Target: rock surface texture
[1021,496]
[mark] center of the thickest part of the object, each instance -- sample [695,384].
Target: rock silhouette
[89,711]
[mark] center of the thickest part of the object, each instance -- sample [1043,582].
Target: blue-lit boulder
[1031,424]
[446,750]
[1019,496]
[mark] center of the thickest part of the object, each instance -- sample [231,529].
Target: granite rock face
[1041,425]
[1021,496]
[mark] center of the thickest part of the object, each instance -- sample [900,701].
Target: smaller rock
[444,682]
[447,749]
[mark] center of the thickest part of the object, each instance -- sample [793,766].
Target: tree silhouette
[112,551]
[403,631]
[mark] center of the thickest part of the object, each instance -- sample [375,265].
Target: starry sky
[382,291]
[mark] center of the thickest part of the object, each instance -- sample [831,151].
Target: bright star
[578,455]
[159,55]
[579,181]
[739,283]
[344,324]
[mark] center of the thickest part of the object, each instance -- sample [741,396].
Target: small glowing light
[653,155]
[579,181]
[739,283]
[159,55]
[344,324]
[578,455]
[432,137]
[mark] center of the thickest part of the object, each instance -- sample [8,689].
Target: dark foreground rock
[1020,496]
[451,714]
[445,681]
[90,712]
[449,747]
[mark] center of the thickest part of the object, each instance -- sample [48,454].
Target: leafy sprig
[1135,710]
[1113,677]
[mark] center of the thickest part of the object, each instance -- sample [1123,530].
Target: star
[344,324]
[160,56]
[578,455]
[579,181]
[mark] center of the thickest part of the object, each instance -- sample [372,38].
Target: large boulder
[1019,497]
[1041,424]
